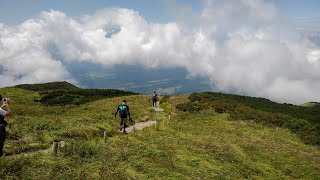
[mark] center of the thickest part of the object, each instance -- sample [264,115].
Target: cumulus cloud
[242,46]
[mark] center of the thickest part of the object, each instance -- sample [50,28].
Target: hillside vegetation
[193,144]
[305,121]
[64,93]
[47,86]
[311,104]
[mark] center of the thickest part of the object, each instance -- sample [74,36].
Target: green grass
[194,145]
[305,121]
[33,123]
[311,104]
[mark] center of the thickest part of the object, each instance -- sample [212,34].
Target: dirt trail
[141,125]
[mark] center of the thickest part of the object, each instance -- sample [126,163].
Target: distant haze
[241,46]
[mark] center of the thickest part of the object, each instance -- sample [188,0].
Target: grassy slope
[191,145]
[34,126]
[310,104]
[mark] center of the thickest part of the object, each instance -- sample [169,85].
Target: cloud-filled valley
[241,46]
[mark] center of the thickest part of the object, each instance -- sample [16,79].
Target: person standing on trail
[154,99]
[3,123]
[124,113]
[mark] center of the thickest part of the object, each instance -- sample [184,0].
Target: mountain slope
[305,121]
[202,144]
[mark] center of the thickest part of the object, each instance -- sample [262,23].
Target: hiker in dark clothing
[124,113]
[3,123]
[154,99]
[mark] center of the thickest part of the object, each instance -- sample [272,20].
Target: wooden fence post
[105,136]
[55,148]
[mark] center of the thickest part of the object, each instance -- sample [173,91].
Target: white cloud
[240,45]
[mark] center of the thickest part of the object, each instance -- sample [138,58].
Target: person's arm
[115,114]
[8,109]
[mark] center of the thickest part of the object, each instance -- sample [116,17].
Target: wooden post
[134,129]
[169,116]
[55,148]
[105,136]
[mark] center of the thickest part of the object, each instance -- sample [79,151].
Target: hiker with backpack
[3,122]
[154,99]
[124,113]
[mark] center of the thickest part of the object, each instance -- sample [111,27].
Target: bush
[79,96]
[190,107]
[47,86]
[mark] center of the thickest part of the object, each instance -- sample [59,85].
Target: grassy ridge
[305,121]
[193,145]
[199,144]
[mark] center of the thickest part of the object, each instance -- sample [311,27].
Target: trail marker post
[55,146]
[105,136]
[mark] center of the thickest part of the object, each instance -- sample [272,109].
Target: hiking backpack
[123,110]
[154,96]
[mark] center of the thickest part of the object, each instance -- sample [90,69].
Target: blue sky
[16,11]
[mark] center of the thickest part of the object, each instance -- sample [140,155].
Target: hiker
[154,99]
[124,112]
[3,123]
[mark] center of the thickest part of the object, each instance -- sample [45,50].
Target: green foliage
[305,121]
[64,93]
[79,96]
[165,98]
[47,86]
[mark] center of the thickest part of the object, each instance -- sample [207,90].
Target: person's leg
[124,124]
[1,148]
[121,124]
[2,139]
[154,103]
